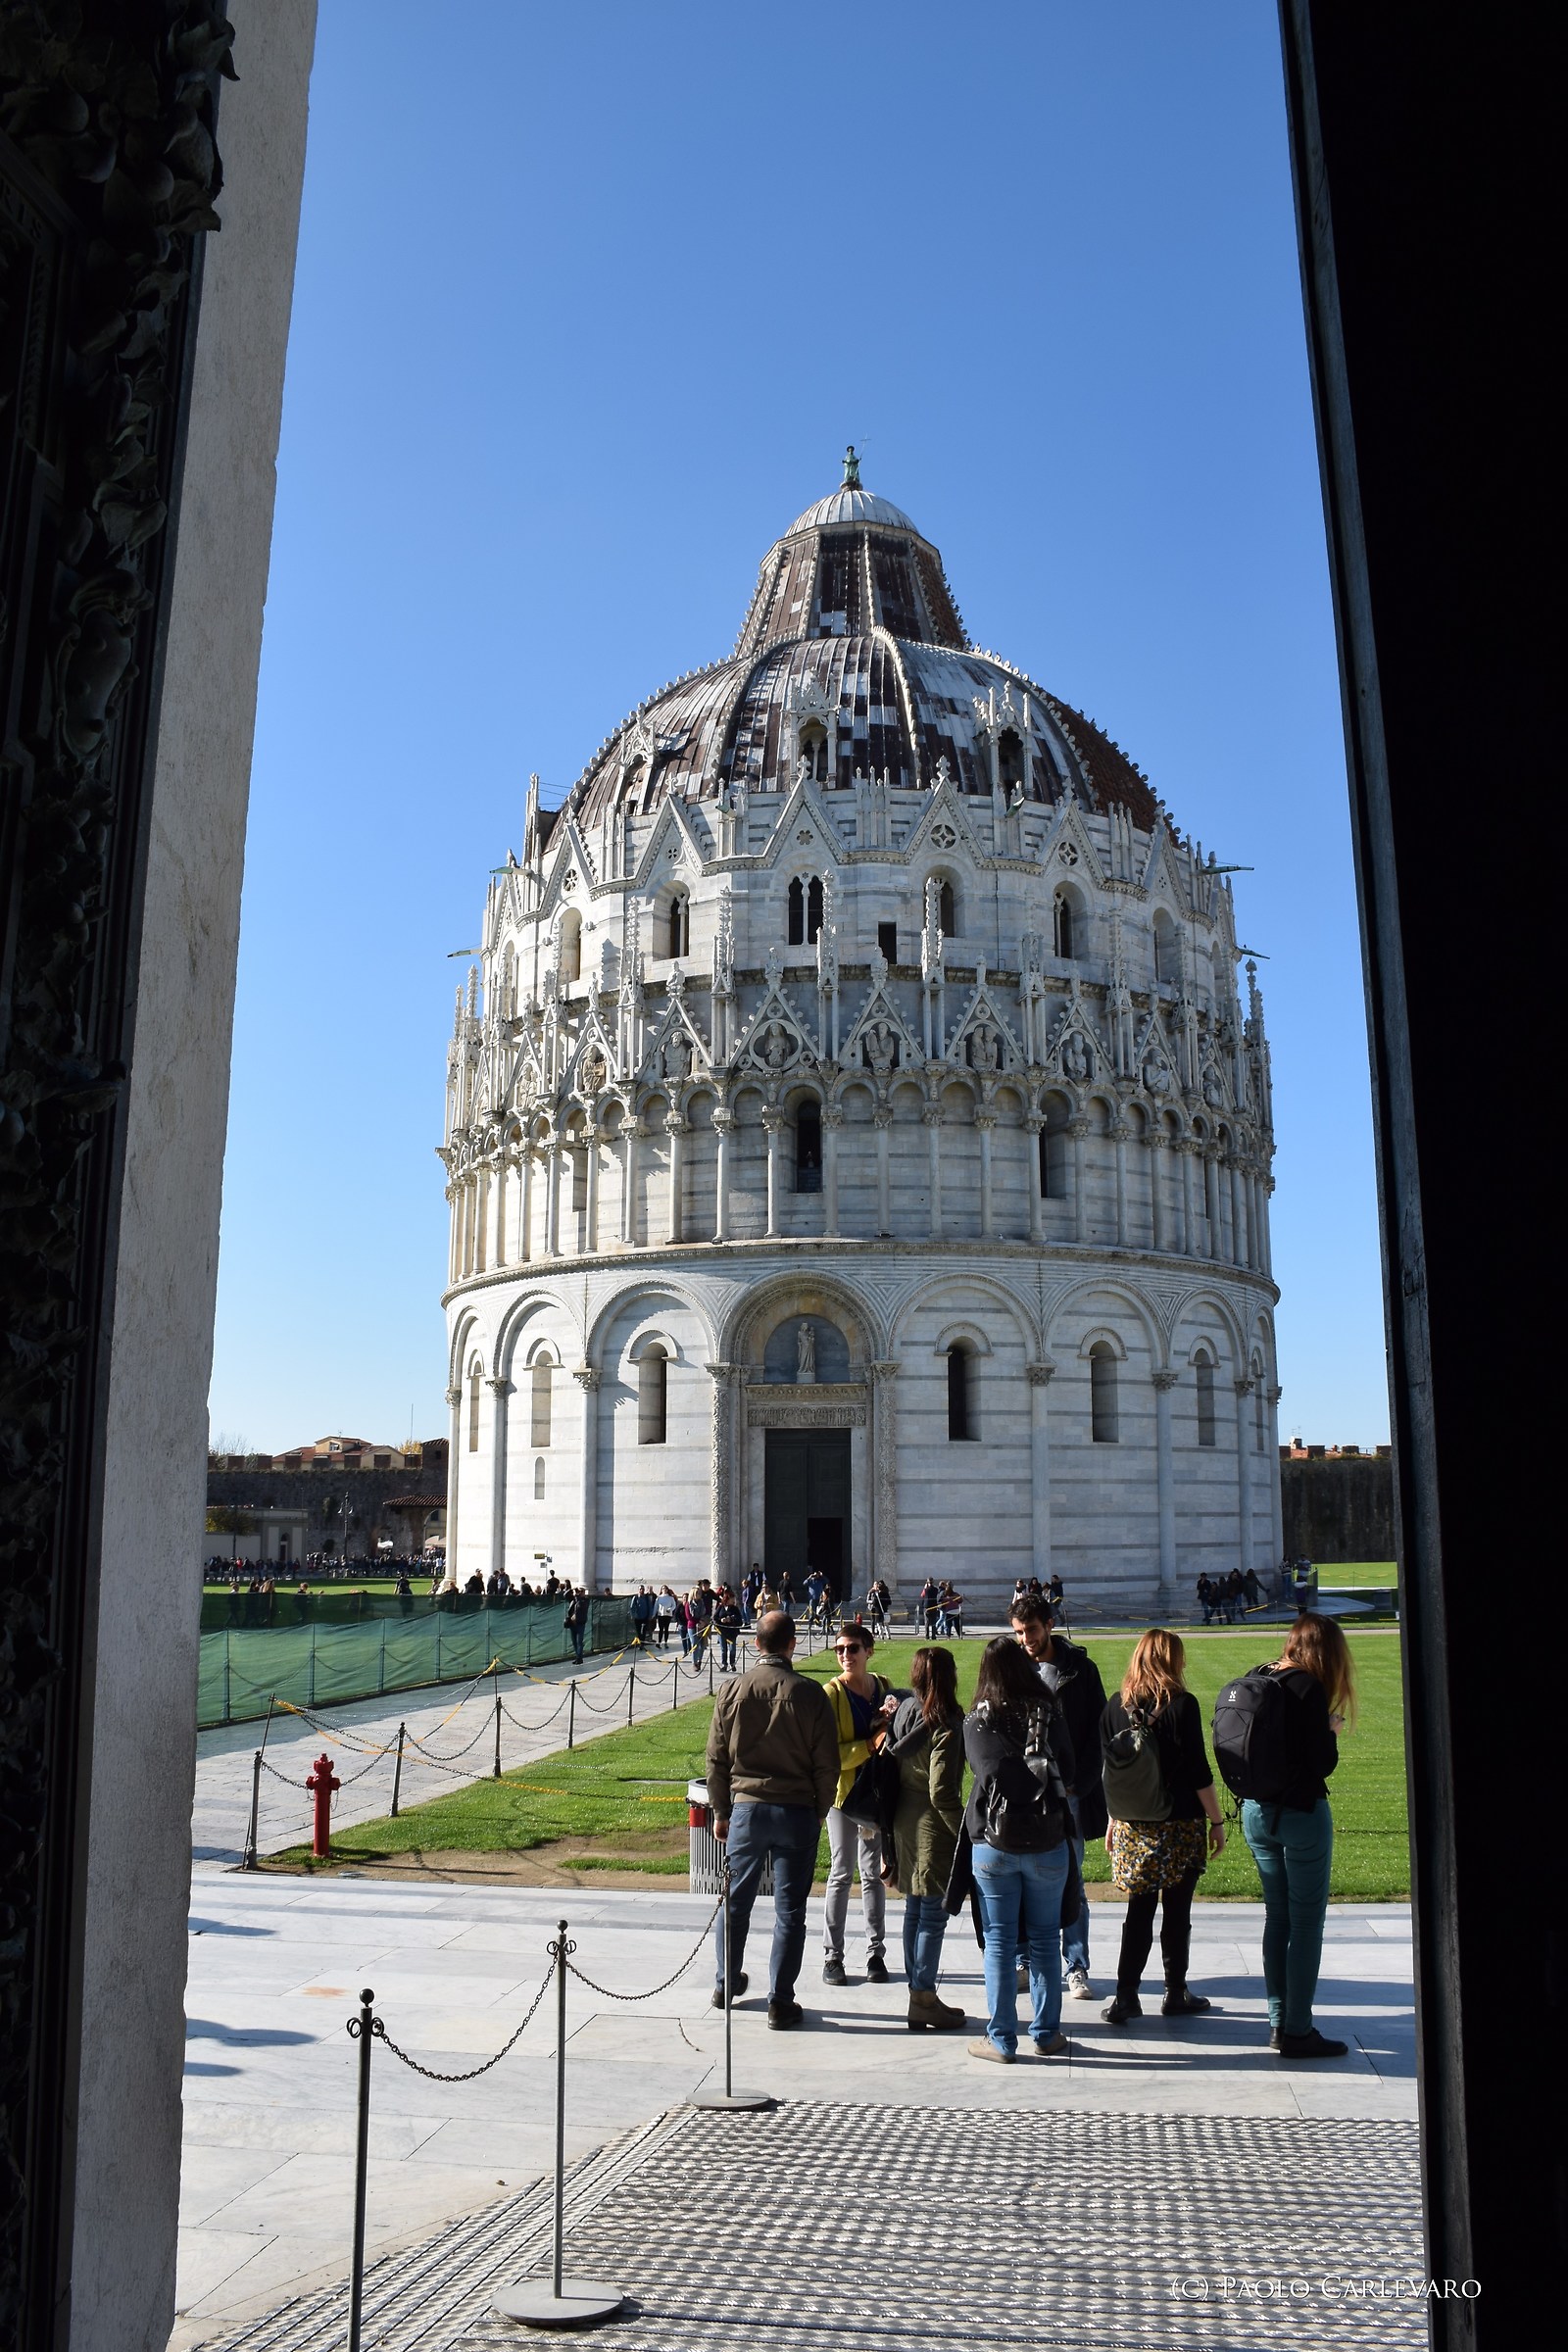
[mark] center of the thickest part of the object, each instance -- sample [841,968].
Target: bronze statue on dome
[852,468]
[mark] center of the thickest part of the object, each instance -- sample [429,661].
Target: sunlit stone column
[1033,1127]
[986,1121]
[931,1118]
[1166,1486]
[1157,1189]
[1078,1130]
[590,1216]
[1119,1138]
[882,1121]
[1188,1245]
[773,1128]
[500,1389]
[454,1477]
[629,1184]
[1039,1377]
[1243,1479]
[832,1122]
[587,1378]
[723,1129]
[553,1197]
[677,1129]
[724,1548]
[883,1432]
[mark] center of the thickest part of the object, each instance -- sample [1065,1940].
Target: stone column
[931,1118]
[883,1433]
[1243,1479]
[629,1184]
[500,1389]
[832,1121]
[1166,1486]
[1078,1129]
[724,1549]
[1039,1377]
[553,1197]
[773,1128]
[501,1191]
[1157,1188]
[1033,1128]
[587,1377]
[454,1474]
[1276,1499]
[986,1121]
[1119,1138]
[1266,1237]
[677,1129]
[1240,1250]
[1188,1243]
[882,1120]
[723,1129]
[590,1214]
[525,1204]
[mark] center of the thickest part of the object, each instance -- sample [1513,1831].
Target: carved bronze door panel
[807,1508]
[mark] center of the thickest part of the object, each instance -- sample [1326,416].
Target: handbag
[872,1796]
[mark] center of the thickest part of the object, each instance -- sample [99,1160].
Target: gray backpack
[1133,1775]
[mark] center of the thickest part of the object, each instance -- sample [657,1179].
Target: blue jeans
[1295,1855]
[925,1923]
[576,1631]
[1074,1932]
[789,1832]
[1021,1898]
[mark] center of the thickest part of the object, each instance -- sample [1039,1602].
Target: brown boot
[928,2015]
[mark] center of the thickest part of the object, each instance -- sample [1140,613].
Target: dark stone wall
[369,1491]
[1339,1511]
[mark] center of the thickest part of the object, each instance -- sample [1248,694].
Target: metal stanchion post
[631,1691]
[729,2096]
[674,1686]
[571,1713]
[248,1859]
[709,1670]
[495,1775]
[364,2028]
[558,2302]
[397,1771]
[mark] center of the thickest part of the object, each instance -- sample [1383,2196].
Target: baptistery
[859,1145]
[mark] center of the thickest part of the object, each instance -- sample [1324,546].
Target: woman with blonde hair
[1292,1835]
[1158,1788]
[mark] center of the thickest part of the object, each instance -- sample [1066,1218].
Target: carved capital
[883,1369]
[501,1388]
[1078,1129]
[1040,1375]
[1274,1394]
[931,1115]
[454,1395]
[676,1124]
[985,1116]
[882,1117]
[587,1377]
[727,1376]
[1164,1380]
[723,1122]
[832,1116]
[1034,1121]
[775,1121]
[1244,1388]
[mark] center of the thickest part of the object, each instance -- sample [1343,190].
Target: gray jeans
[852,1843]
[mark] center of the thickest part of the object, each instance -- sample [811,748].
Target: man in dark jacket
[1072,1678]
[772,1775]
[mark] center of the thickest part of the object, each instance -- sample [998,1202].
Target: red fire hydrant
[322,1780]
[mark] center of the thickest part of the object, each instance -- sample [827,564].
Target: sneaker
[1079,1988]
[1120,2007]
[1053,2046]
[781,2015]
[987,2048]
[1311,2045]
[833,1973]
[740,1984]
[1179,2002]
[876,1970]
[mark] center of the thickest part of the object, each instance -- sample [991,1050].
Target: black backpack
[1133,1776]
[1249,1735]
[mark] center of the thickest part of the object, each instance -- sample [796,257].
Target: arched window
[813,910]
[1062,926]
[795,934]
[1167,947]
[680,925]
[1204,1368]
[543,1374]
[814,749]
[808,1148]
[961,1393]
[572,945]
[1102,1426]
[946,911]
[1009,760]
[652,1375]
[473,1407]
[1053,1161]
[539,1480]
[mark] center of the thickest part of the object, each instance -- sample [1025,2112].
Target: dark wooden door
[807,1507]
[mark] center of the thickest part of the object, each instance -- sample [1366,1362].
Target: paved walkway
[276,1965]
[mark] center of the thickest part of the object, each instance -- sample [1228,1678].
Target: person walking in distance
[1158,1790]
[1072,1678]
[577,1621]
[927,1741]
[863,1704]
[1291,1834]
[772,1774]
[727,1622]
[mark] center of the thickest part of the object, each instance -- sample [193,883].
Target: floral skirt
[1150,1855]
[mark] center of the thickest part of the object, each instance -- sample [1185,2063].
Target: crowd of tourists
[1052,1763]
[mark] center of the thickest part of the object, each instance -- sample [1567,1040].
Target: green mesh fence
[243,1668]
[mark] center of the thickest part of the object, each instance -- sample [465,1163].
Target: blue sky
[586,311]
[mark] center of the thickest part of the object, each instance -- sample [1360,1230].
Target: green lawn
[628,1791]
[1358,1572]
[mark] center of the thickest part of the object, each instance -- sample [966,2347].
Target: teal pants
[1294,1853]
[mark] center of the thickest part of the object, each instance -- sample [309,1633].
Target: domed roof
[853,647]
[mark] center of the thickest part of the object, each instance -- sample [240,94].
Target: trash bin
[705,1847]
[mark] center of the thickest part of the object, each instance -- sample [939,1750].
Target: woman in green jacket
[927,1740]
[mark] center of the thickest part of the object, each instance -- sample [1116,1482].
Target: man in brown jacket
[772,1775]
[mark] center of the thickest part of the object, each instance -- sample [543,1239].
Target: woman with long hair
[927,1740]
[1019,1827]
[1156,1763]
[1292,1836]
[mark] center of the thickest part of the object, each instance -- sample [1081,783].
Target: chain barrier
[611,1994]
[471,2074]
[544,1722]
[614,1706]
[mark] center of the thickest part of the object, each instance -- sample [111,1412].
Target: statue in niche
[594,1072]
[804,1351]
[881,1048]
[1157,1078]
[778,1047]
[678,1056]
[1213,1092]
[985,1051]
[1075,1057]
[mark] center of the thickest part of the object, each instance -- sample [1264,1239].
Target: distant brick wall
[1340,1509]
[369,1491]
